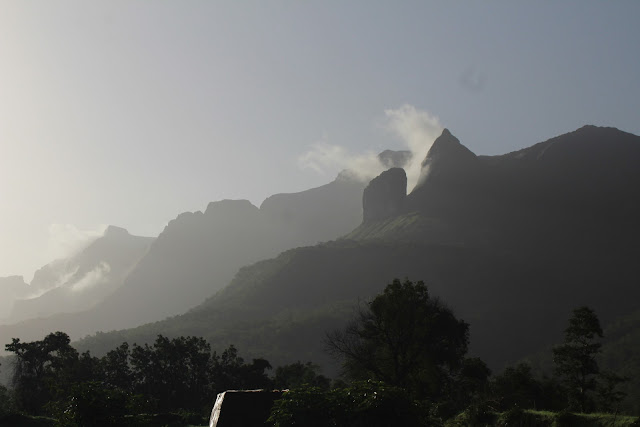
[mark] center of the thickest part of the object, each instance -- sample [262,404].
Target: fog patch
[92,278]
[62,275]
[415,128]
[325,159]
[66,240]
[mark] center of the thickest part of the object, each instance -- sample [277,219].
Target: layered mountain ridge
[81,281]
[512,243]
[197,254]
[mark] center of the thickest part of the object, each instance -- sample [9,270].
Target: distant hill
[196,255]
[65,287]
[82,281]
[199,253]
[512,243]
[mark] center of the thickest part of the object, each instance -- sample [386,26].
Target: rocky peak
[385,194]
[447,148]
[447,158]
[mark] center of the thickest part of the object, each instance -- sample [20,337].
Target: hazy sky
[130,112]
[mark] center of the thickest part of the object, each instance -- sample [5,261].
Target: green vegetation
[411,346]
[576,359]
[533,418]
[180,376]
[406,339]
[367,403]
[404,360]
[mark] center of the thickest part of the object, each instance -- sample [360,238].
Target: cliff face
[385,194]
[555,191]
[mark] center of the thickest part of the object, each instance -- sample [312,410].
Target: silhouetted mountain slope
[199,253]
[575,187]
[512,243]
[319,214]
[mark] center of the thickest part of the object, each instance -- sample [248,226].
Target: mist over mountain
[199,253]
[196,255]
[512,243]
[11,288]
[81,281]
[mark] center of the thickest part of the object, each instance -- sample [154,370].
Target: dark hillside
[512,251]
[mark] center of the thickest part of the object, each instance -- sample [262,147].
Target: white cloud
[330,159]
[66,240]
[417,129]
[92,278]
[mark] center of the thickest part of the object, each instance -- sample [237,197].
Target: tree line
[404,360]
[409,347]
[180,375]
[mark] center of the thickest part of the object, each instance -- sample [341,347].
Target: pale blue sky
[130,112]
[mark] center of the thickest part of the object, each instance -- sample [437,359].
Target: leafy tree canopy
[405,338]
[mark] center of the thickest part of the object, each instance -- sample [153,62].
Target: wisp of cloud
[417,129]
[66,240]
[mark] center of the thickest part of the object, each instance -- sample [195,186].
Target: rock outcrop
[447,159]
[385,194]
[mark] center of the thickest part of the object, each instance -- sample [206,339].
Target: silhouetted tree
[42,368]
[575,360]
[608,396]
[470,383]
[230,372]
[516,388]
[298,374]
[404,338]
[176,373]
[116,367]
[6,401]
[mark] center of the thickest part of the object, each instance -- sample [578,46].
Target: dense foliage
[405,363]
[406,339]
[365,403]
[576,359]
[180,374]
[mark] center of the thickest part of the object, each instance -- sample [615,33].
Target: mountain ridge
[512,267]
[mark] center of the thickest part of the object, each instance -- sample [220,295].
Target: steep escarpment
[385,194]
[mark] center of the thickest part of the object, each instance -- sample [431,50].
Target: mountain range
[196,254]
[512,243]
